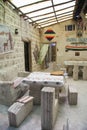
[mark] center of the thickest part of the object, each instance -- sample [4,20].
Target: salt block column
[85,73]
[75,72]
[72,95]
[47,108]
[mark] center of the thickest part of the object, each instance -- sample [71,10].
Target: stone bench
[10,91]
[72,95]
[20,110]
[49,108]
[35,91]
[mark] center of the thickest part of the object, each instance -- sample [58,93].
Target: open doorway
[53,51]
[27,56]
[51,54]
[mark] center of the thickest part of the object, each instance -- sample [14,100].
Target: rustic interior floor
[76,114]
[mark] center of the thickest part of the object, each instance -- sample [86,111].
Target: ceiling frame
[48,7]
[53,19]
[48,19]
[52,12]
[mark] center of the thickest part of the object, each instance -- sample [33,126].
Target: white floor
[76,114]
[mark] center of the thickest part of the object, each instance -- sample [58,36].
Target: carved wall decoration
[6,40]
[36,53]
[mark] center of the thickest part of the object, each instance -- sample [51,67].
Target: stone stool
[72,95]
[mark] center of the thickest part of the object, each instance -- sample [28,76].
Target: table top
[45,78]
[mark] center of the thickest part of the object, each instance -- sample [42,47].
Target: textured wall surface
[14,60]
[63,38]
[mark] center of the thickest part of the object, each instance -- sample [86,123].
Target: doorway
[51,54]
[27,56]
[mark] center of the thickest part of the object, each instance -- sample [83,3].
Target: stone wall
[13,62]
[63,38]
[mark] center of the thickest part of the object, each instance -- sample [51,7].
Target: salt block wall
[12,62]
[63,38]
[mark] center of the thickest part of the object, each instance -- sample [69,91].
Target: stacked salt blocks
[49,108]
[35,91]
[20,110]
[72,95]
[75,72]
[85,73]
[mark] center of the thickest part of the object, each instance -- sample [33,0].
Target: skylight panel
[36,6]
[40,16]
[64,6]
[64,14]
[45,12]
[65,10]
[19,3]
[43,17]
[44,20]
[59,1]
[64,17]
[62,20]
[48,22]
[41,12]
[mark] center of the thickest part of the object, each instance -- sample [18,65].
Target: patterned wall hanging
[77,46]
[49,34]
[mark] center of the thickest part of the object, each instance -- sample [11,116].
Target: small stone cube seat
[72,95]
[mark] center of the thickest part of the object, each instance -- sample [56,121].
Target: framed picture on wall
[6,40]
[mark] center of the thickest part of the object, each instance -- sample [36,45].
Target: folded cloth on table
[56,73]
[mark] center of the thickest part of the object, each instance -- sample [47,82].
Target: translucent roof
[45,12]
